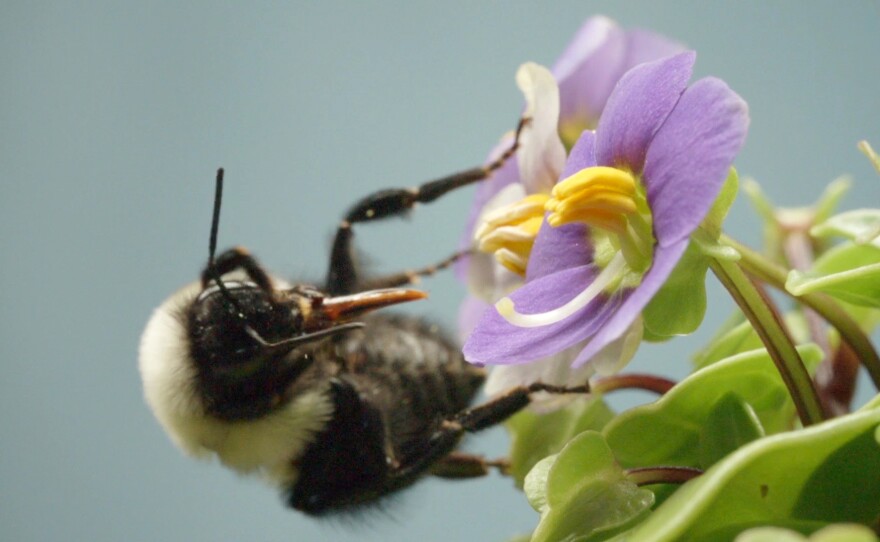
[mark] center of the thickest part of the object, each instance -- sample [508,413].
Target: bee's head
[250,342]
[239,343]
[231,328]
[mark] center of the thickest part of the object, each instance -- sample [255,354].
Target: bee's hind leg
[446,437]
[410,276]
[459,465]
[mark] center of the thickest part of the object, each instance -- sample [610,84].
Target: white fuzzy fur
[267,446]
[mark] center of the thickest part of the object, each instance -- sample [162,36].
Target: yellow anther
[603,201]
[514,213]
[611,178]
[599,196]
[509,232]
[512,261]
[612,222]
[510,235]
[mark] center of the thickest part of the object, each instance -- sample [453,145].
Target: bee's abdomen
[413,372]
[399,379]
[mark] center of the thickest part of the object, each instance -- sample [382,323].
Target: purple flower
[630,195]
[596,58]
[600,53]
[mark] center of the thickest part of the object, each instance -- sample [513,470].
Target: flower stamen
[601,192]
[610,201]
[509,232]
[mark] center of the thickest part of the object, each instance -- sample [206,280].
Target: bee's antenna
[233,305]
[215,219]
[212,249]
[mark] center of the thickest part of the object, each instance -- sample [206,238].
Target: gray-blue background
[114,116]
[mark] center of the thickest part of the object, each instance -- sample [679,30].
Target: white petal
[554,370]
[487,279]
[541,155]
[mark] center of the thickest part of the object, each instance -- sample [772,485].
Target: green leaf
[686,285]
[841,532]
[721,206]
[844,532]
[535,484]
[770,534]
[865,147]
[850,272]
[860,226]
[740,338]
[767,213]
[830,199]
[535,436]
[679,306]
[667,432]
[731,424]
[588,495]
[803,480]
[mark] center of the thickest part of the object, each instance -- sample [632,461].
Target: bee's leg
[237,258]
[410,276]
[342,277]
[480,417]
[458,465]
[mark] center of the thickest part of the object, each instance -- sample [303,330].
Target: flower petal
[645,46]
[691,155]
[583,154]
[588,70]
[640,103]
[614,356]
[469,313]
[555,369]
[567,246]
[665,259]
[496,341]
[481,272]
[541,154]
[556,249]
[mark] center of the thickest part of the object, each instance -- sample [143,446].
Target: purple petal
[486,190]
[582,155]
[469,313]
[640,103]
[644,46]
[588,70]
[691,155]
[560,248]
[567,246]
[496,341]
[665,259]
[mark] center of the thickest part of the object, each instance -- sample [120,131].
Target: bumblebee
[306,385]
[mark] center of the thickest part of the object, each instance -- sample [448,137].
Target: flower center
[613,204]
[509,232]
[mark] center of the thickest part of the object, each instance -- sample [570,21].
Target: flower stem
[849,330]
[835,379]
[656,384]
[662,475]
[776,339]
